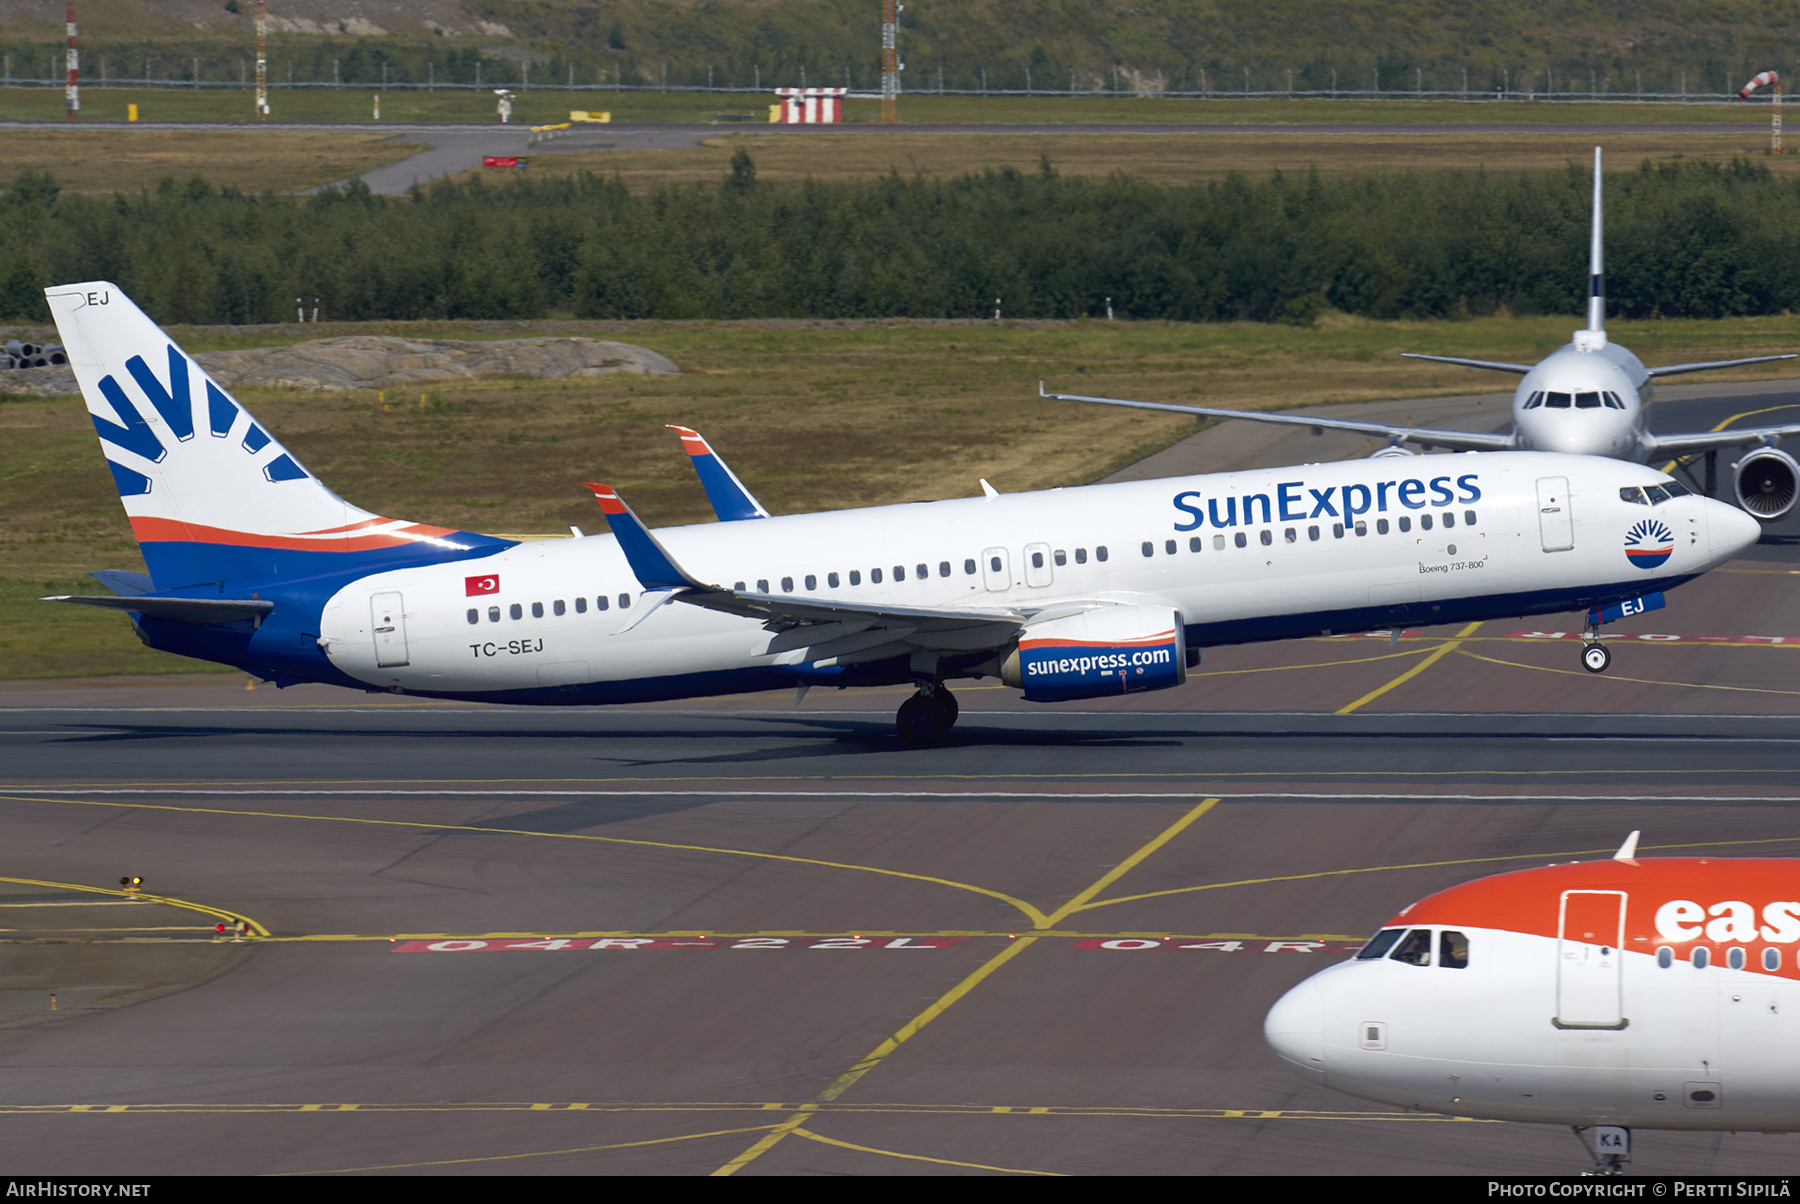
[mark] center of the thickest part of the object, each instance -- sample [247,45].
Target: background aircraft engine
[1766,483]
[1106,651]
[1390,451]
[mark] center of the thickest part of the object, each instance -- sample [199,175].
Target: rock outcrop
[383,362]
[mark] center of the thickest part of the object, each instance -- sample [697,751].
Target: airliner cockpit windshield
[1652,495]
[1580,401]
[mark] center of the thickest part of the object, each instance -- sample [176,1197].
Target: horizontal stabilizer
[1490,365]
[121,582]
[182,610]
[1677,369]
[1423,436]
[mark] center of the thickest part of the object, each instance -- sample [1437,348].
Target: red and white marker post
[1771,80]
[72,86]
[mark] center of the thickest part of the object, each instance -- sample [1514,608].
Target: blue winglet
[650,562]
[730,500]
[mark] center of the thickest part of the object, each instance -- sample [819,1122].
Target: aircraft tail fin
[211,495]
[1596,315]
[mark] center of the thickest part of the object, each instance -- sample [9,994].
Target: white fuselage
[1692,1049]
[1269,554]
[1588,398]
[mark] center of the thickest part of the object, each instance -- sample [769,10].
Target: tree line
[1684,239]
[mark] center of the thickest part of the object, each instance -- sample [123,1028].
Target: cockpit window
[1453,950]
[1379,944]
[1535,400]
[1613,402]
[1414,948]
[1587,401]
[1656,494]
[1633,494]
[1676,489]
[1557,401]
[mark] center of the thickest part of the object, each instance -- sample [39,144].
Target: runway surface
[743,936]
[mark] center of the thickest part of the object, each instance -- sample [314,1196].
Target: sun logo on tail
[1649,543]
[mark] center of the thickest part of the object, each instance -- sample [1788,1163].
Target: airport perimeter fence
[1502,93]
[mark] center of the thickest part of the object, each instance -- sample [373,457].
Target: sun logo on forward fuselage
[1649,543]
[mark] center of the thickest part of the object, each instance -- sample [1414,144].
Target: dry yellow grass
[250,159]
[1184,158]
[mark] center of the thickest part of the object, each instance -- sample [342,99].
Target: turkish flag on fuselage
[476,586]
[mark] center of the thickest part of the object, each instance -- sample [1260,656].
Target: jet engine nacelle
[1099,653]
[1391,451]
[1766,483]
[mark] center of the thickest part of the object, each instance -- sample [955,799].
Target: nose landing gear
[1611,1147]
[927,715]
[1595,657]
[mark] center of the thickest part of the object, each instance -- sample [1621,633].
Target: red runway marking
[629,943]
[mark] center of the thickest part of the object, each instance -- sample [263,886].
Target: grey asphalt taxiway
[743,936]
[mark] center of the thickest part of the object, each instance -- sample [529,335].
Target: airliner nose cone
[1295,1030]
[1729,530]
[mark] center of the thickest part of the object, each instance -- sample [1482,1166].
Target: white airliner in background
[1069,594]
[1588,398]
[1653,993]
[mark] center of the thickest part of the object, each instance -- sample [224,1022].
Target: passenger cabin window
[874,576]
[474,615]
[1169,546]
[855,576]
[1080,555]
[831,579]
[1406,523]
[1379,944]
[944,567]
[1381,526]
[516,611]
[601,603]
[1700,957]
[1240,540]
[1771,958]
[1100,553]
[1194,544]
[558,608]
[812,583]
[493,614]
[787,585]
[581,603]
[1414,948]
[1149,548]
[1218,543]
[1424,522]
[537,610]
[969,565]
[762,585]
[1061,557]
[1665,957]
[1453,950]
[624,601]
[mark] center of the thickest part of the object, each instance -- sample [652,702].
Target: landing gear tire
[924,718]
[1596,657]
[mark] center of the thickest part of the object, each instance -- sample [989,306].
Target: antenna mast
[72,86]
[262,62]
[891,66]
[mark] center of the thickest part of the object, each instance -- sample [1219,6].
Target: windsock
[1761,81]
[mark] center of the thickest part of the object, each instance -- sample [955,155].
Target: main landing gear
[927,715]
[1595,656]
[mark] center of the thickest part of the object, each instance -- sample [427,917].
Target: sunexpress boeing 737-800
[1068,594]
[1590,398]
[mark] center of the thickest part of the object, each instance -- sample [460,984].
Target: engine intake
[1099,653]
[1766,483]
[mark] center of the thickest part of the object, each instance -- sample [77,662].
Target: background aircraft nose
[1295,1030]
[1729,530]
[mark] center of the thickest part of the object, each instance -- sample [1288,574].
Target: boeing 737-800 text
[1589,397]
[1069,594]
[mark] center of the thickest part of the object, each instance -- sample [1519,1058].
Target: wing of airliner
[1423,436]
[1699,441]
[1490,365]
[730,500]
[1677,369]
[833,631]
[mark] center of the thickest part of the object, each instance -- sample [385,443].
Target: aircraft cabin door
[1589,961]
[1556,521]
[387,618]
[996,571]
[1038,572]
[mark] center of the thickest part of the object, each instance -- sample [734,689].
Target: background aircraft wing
[1423,436]
[1490,365]
[1674,369]
[1737,436]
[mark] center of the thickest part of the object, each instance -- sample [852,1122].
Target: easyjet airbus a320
[1649,993]
[1589,398]
[1070,594]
